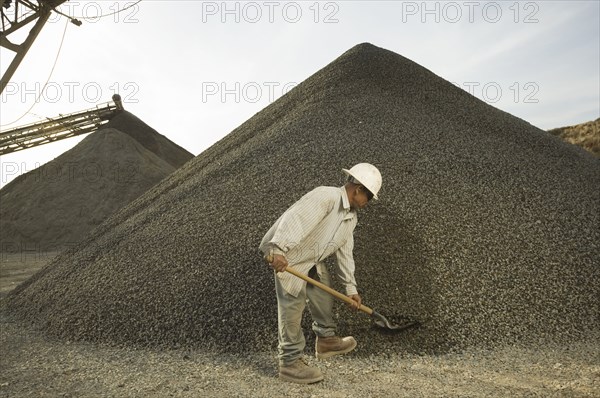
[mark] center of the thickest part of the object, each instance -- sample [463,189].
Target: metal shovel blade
[383,322]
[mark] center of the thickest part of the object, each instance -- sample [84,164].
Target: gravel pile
[150,139]
[486,231]
[55,205]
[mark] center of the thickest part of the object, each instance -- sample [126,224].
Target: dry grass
[586,135]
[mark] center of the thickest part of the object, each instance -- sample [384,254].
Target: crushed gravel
[33,366]
[486,231]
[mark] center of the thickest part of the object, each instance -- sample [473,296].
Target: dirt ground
[32,365]
[17,267]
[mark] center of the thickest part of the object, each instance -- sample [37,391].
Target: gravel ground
[33,366]
[486,231]
[16,268]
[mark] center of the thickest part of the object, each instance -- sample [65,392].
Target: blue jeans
[290,309]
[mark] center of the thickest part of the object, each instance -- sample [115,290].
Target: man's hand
[279,263]
[357,302]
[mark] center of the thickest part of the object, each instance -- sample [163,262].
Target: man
[318,225]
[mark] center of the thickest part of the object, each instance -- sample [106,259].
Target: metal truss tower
[15,15]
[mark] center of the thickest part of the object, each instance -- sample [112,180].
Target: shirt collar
[345,200]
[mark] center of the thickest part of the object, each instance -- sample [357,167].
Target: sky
[195,70]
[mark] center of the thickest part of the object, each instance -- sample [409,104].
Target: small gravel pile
[55,205]
[486,230]
[150,139]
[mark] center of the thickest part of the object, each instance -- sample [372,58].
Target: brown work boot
[327,347]
[299,372]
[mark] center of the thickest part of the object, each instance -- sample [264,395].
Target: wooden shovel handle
[329,290]
[322,286]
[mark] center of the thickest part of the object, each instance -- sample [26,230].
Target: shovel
[379,319]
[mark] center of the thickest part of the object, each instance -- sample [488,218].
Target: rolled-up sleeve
[345,266]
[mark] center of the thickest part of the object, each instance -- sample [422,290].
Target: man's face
[362,196]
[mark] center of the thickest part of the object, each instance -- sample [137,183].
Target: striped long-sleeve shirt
[316,226]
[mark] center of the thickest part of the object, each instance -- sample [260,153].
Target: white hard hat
[367,175]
